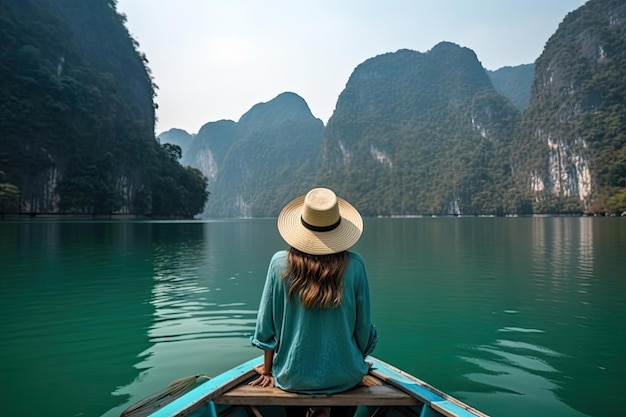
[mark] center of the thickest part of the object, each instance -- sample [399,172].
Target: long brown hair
[316,279]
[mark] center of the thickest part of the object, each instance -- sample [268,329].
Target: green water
[518,317]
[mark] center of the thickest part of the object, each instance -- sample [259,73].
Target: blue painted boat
[385,392]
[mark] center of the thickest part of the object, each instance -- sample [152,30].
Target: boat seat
[378,394]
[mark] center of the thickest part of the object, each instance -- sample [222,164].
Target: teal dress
[317,350]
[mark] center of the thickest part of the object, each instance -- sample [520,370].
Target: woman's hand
[265,379]
[260,369]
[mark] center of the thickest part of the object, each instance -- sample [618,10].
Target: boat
[385,392]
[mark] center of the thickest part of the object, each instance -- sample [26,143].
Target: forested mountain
[255,164]
[77,116]
[514,83]
[421,133]
[209,148]
[570,146]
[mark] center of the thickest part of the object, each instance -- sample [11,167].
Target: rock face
[419,133]
[79,115]
[571,140]
[210,146]
[256,164]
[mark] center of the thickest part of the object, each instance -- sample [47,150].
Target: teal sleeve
[365,332]
[265,336]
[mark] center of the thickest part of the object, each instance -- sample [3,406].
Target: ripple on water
[520,330]
[523,375]
[179,322]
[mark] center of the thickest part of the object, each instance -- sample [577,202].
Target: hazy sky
[215,59]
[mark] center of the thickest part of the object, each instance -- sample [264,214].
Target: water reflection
[205,298]
[72,296]
[563,253]
[534,368]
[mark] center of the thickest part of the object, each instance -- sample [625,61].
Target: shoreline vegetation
[78,216]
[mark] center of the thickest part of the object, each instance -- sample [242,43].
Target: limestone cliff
[77,117]
[256,164]
[419,133]
[571,140]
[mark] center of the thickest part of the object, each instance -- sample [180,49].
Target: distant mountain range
[413,133]
[435,133]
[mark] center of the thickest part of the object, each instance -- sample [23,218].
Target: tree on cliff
[175,192]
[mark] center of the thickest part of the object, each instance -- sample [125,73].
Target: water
[517,317]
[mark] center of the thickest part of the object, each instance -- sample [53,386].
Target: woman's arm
[268,359]
[266,379]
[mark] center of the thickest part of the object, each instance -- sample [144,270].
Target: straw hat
[320,223]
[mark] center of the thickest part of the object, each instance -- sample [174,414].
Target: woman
[314,318]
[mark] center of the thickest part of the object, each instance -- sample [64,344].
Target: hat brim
[308,241]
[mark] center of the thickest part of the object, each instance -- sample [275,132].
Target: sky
[215,59]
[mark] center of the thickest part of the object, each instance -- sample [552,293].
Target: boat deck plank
[377,395]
